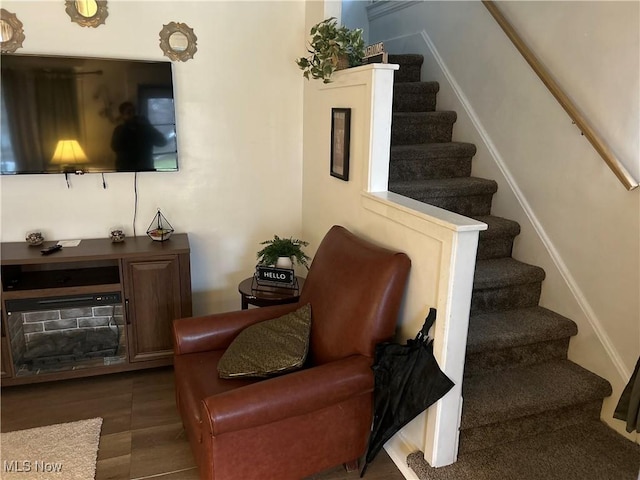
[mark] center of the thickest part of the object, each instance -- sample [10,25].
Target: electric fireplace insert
[66,333]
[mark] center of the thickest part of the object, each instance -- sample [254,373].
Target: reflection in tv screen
[83,115]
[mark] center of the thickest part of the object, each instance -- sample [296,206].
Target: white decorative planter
[284,262]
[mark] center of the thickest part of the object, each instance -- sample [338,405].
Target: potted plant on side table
[331,48]
[281,252]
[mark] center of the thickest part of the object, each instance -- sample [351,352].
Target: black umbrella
[408,380]
[628,408]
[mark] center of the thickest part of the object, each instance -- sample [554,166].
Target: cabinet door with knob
[155,293]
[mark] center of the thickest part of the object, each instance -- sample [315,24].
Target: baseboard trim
[398,450]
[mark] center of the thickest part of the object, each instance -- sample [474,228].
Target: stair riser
[474,205]
[498,247]
[417,169]
[414,102]
[407,73]
[464,205]
[482,362]
[506,298]
[488,436]
[416,130]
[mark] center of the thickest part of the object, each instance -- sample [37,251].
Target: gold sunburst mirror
[11,32]
[178,42]
[87,13]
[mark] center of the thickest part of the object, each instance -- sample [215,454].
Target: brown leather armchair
[299,423]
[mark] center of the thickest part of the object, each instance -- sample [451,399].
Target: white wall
[239,120]
[578,222]
[354,15]
[592,48]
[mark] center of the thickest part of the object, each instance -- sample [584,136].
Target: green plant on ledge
[329,44]
[283,247]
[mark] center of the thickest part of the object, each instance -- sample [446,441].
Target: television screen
[83,115]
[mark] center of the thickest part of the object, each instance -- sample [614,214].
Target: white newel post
[450,342]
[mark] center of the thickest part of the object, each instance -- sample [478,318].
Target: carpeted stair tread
[482,362]
[509,328]
[499,433]
[410,128]
[518,392]
[427,151]
[467,196]
[503,272]
[587,451]
[497,240]
[442,115]
[430,161]
[498,227]
[445,187]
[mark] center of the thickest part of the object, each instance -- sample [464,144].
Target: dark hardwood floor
[141,434]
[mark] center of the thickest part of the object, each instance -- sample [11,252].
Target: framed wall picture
[340,132]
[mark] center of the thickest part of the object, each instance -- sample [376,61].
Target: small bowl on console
[34,238]
[116,234]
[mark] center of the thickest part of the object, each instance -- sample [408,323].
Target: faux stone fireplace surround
[84,332]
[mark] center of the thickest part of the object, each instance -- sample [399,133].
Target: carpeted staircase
[523,400]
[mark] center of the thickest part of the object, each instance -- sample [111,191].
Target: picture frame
[340,140]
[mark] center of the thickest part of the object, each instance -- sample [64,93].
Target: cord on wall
[135,201]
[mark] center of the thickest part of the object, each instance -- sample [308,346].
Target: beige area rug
[66,451]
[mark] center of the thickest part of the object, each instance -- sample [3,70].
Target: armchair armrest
[288,395]
[216,332]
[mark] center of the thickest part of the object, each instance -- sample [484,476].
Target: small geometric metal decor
[160,229]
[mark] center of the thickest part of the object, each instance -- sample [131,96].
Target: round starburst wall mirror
[177,41]
[11,32]
[87,13]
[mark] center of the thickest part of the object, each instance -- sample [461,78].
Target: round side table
[266,296]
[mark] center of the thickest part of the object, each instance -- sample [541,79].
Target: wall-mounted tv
[83,115]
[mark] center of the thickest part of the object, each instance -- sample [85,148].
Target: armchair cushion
[270,347]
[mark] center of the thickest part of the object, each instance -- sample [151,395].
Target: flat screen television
[83,115]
